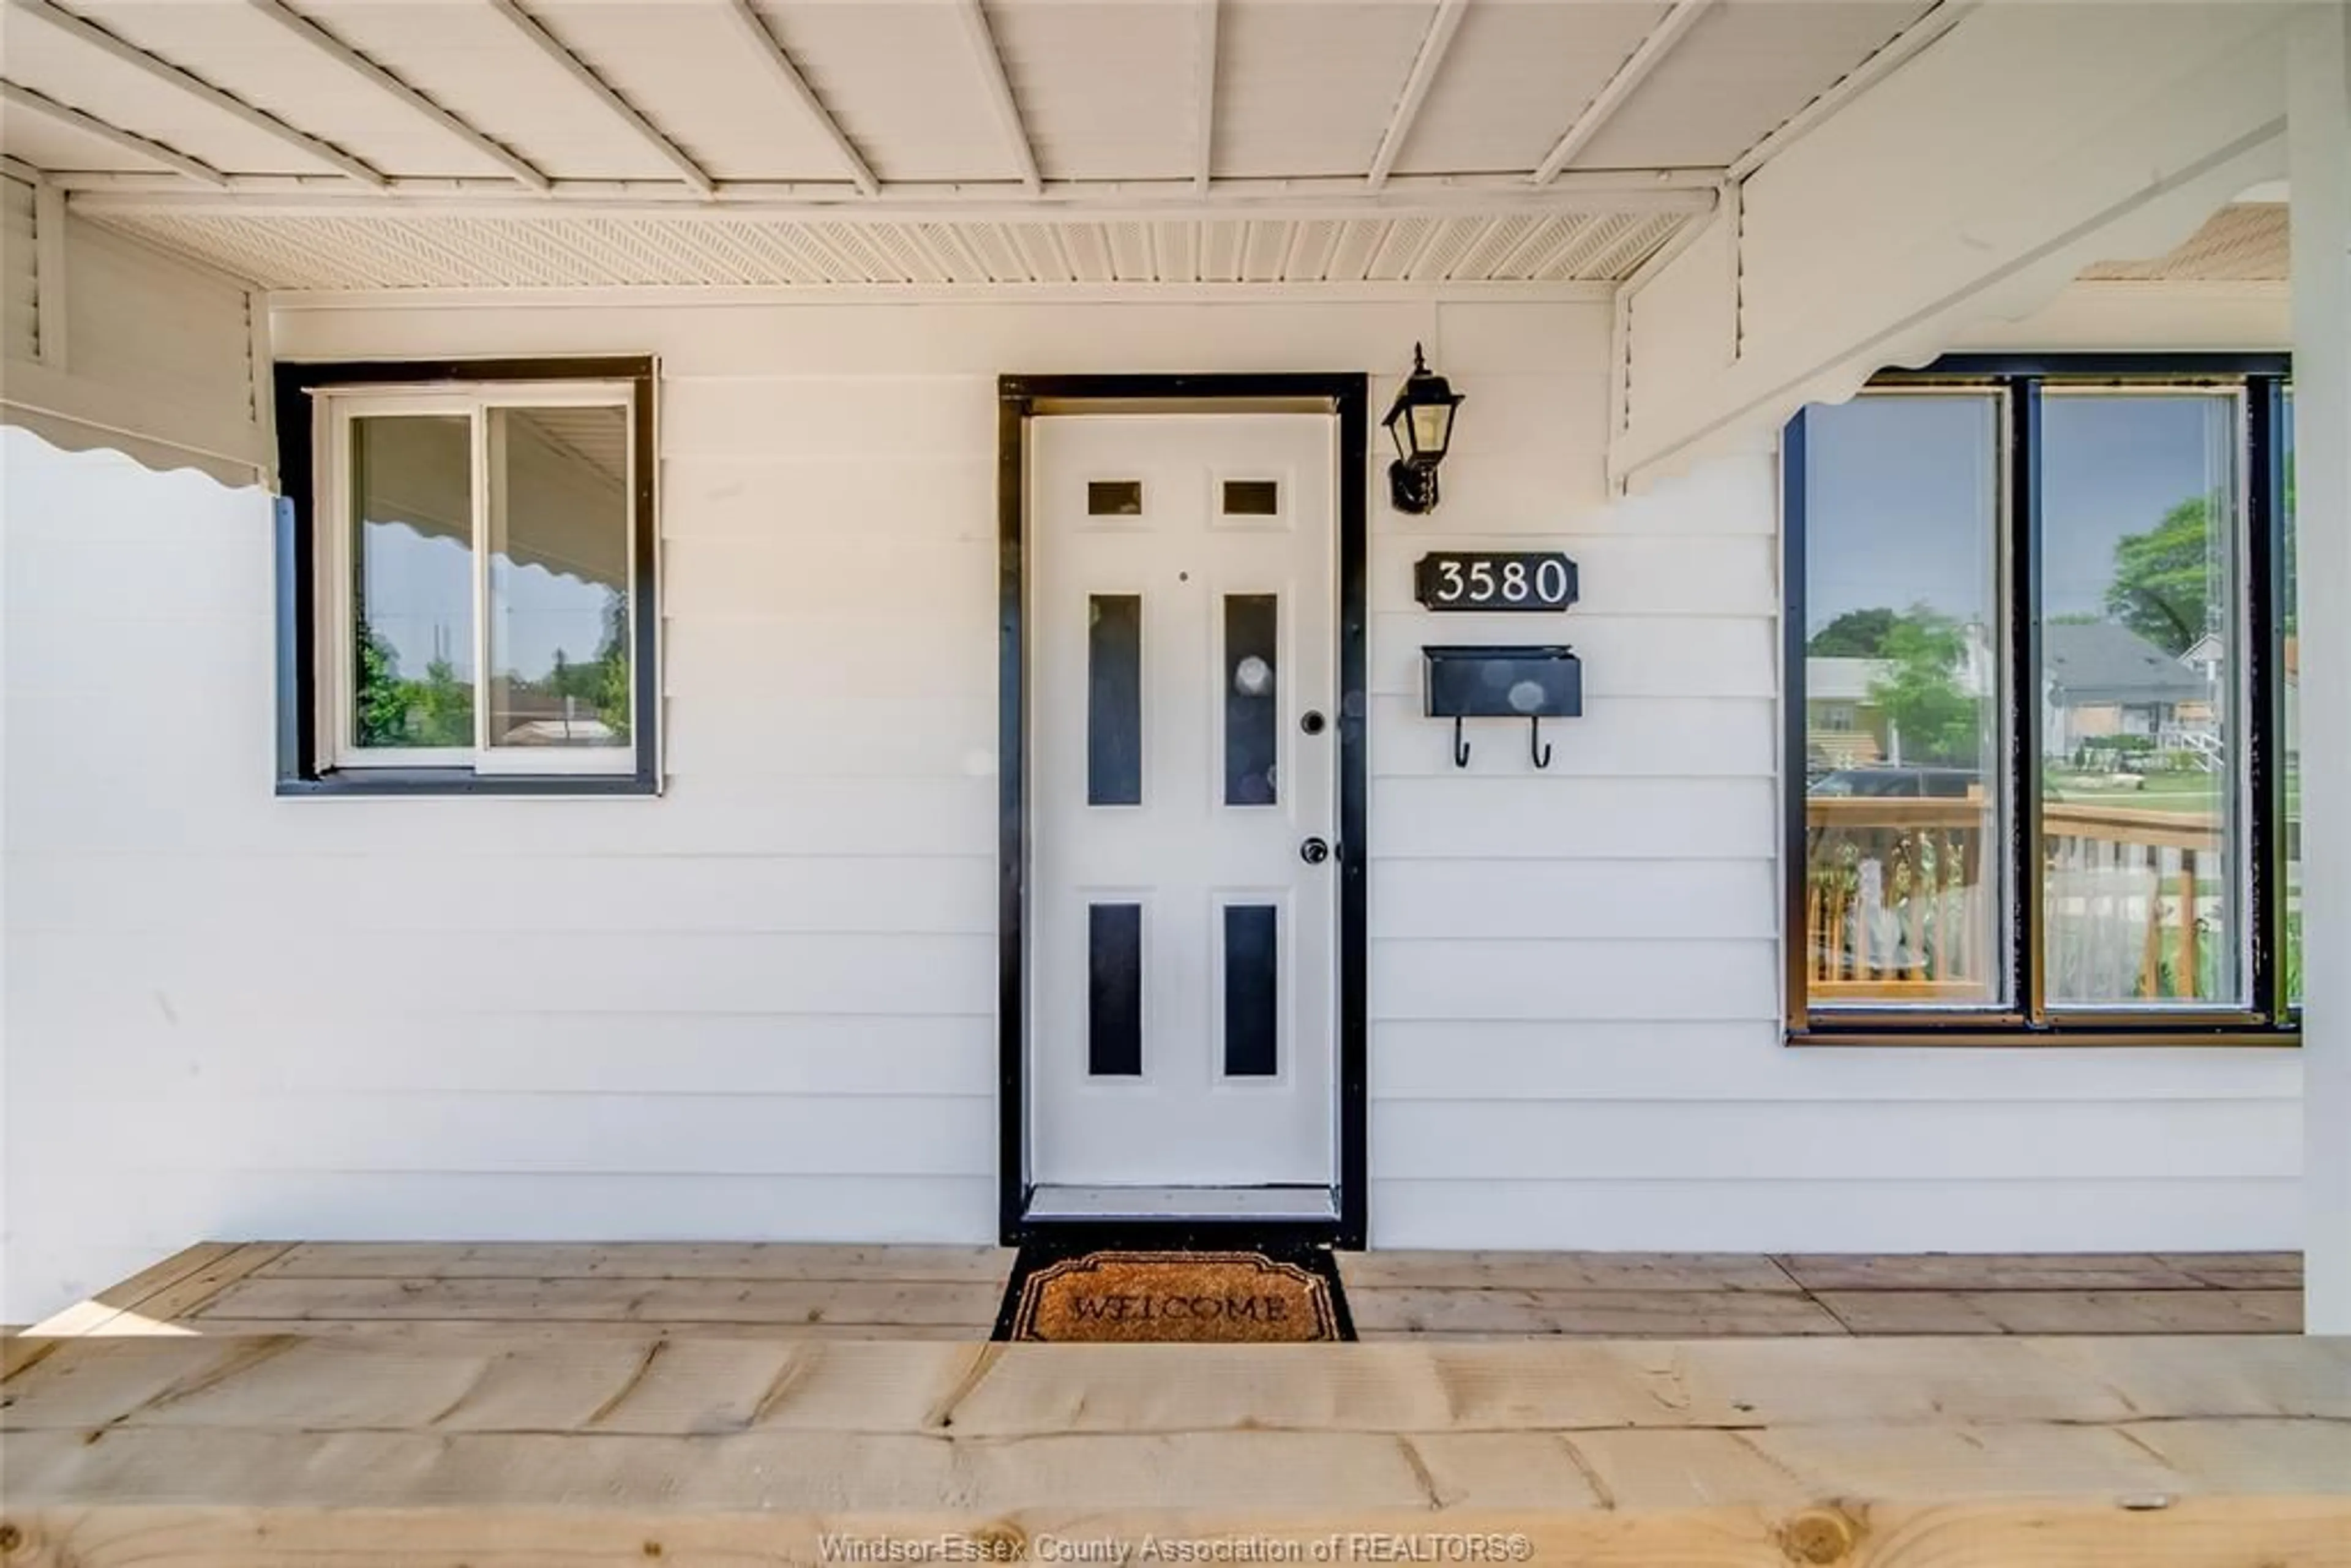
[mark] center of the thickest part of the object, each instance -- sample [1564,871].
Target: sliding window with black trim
[2041,767]
[466,563]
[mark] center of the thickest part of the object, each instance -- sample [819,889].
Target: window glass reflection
[558,599]
[1903,859]
[412,582]
[2141,735]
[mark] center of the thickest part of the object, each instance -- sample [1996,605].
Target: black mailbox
[1532,684]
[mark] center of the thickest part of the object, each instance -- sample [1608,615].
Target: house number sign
[1495,580]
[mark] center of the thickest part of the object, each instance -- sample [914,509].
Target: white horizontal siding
[1471,983]
[1987,1140]
[515,1056]
[722,1135]
[1744,1213]
[667,973]
[763,1004]
[1515,898]
[1558,815]
[1699,1063]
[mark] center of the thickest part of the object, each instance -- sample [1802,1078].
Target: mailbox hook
[1535,747]
[1460,746]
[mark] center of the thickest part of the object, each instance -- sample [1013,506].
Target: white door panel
[1182,624]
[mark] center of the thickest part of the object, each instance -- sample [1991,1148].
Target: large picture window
[472,578]
[2040,665]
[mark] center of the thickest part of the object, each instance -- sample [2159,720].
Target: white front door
[1182,812]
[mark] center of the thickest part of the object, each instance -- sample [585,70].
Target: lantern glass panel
[1432,426]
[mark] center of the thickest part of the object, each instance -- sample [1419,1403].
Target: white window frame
[337,408]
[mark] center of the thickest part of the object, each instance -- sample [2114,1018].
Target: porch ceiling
[397,143]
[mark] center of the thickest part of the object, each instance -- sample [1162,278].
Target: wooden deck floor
[263,1405]
[953,1292]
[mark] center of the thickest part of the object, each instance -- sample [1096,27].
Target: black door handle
[1315,851]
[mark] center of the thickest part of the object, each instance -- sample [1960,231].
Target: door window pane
[559,604]
[1252,995]
[1252,498]
[1114,699]
[2141,740]
[1114,989]
[1114,498]
[1902,859]
[412,582]
[1252,730]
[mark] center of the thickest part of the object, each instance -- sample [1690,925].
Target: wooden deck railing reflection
[1900,901]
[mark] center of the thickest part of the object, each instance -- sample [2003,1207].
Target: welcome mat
[1136,1297]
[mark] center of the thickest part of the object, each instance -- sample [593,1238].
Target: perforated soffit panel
[399,251]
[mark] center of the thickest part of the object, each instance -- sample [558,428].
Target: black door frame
[1346,396]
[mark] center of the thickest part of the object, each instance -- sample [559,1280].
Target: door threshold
[1271,1204]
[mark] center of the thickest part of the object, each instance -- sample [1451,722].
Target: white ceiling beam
[17,169]
[1903,47]
[765,44]
[162,71]
[1173,200]
[999,91]
[572,66]
[1686,15]
[343,54]
[130,141]
[1204,153]
[1416,83]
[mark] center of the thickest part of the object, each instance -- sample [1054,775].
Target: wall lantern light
[1420,422]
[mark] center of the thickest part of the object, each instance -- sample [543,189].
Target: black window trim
[2264,379]
[300,771]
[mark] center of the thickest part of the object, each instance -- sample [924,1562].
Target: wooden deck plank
[2275,1457]
[122,1297]
[659,1300]
[185,1452]
[2216,1532]
[1564,1270]
[157,1294]
[657,1384]
[2260,1377]
[2066,1311]
[1987,1272]
[643,1261]
[423,1330]
[2240,1270]
[787,1471]
[813,1472]
[1907,1311]
[2143,1312]
[1681,1314]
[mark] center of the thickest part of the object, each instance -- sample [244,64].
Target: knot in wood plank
[1818,1537]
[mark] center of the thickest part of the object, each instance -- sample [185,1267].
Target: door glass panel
[1114,498]
[1114,699]
[1252,498]
[413,582]
[2140,724]
[1252,735]
[1902,808]
[1114,989]
[560,578]
[1252,1017]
